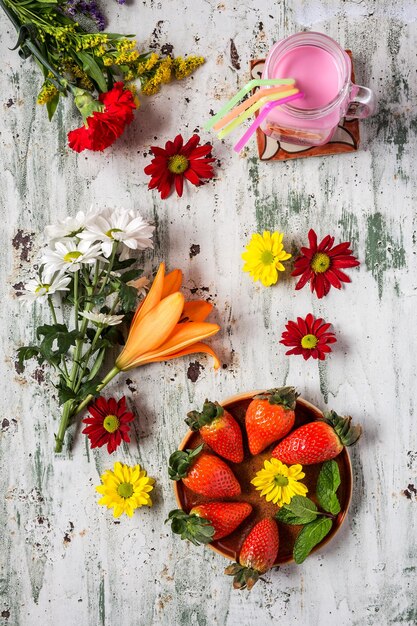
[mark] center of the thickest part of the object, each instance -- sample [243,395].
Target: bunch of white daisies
[89,239]
[86,269]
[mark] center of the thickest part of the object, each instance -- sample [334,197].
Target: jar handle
[362,104]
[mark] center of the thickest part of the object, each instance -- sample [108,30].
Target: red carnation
[321,264]
[174,163]
[109,423]
[309,337]
[102,128]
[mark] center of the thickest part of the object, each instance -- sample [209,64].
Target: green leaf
[310,536]
[97,365]
[131,275]
[122,265]
[328,483]
[128,297]
[51,106]
[25,353]
[59,333]
[91,67]
[300,510]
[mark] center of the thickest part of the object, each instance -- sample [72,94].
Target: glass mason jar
[322,70]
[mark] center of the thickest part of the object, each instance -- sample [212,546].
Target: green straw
[252,109]
[256,82]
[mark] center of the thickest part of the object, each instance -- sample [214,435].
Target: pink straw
[262,115]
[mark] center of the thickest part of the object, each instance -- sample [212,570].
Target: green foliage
[300,510]
[128,297]
[180,462]
[28,352]
[58,333]
[196,529]
[328,483]
[303,511]
[309,537]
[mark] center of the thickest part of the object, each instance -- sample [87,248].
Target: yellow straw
[243,116]
[246,104]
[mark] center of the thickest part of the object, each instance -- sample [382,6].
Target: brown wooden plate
[230,546]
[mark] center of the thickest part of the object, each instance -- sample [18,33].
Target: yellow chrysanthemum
[279,483]
[263,257]
[125,489]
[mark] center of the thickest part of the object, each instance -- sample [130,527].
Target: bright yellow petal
[154,329]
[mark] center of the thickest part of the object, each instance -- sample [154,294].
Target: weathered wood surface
[65,561]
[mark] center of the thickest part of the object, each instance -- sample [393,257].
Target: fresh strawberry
[269,417]
[203,473]
[219,430]
[318,441]
[208,522]
[257,556]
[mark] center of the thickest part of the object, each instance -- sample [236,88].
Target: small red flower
[174,163]
[104,127]
[309,337]
[109,424]
[321,264]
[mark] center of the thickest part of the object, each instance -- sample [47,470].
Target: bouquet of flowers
[94,67]
[95,291]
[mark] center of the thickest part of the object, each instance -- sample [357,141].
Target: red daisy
[109,424]
[308,337]
[102,128]
[321,264]
[177,161]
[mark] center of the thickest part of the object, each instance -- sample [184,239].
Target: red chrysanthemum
[309,337]
[104,127]
[321,264]
[171,165]
[109,423]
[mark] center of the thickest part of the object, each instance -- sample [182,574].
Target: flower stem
[55,321]
[113,372]
[110,266]
[59,438]
[76,304]
[87,357]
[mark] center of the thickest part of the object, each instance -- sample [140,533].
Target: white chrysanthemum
[100,319]
[70,226]
[120,225]
[42,287]
[69,255]
[141,285]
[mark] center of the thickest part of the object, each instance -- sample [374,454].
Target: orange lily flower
[165,327]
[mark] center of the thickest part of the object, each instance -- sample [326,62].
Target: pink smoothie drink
[318,76]
[315,72]
[322,71]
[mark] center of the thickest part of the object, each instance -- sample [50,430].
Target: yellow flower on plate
[264,255]
[125,489]
[278,482]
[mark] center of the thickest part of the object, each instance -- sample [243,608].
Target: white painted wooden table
[64,560]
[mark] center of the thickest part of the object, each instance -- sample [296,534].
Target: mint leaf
[309,537]
[300,510]
[328,483]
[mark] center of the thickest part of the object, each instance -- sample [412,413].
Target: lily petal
[195,348]
[183,336]
[152,299]
[154,329]
[172,283]
[196,311]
